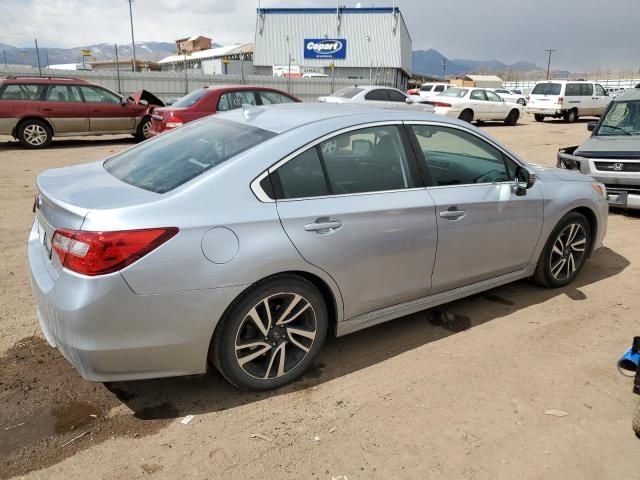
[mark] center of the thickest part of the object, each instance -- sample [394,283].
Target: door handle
[452,213]
[47,109]
[323,225]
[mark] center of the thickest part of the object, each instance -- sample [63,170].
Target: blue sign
[325,48]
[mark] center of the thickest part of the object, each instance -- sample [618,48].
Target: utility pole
[133,41]
[38,55]
[550,50]
[118,68]
[46,53]
[4,54]
[444,67]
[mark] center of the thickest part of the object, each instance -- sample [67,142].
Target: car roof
[283,117]
[242,87]
[627,95]
[44,80]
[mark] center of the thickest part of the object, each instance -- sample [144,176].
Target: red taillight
[97,253]
[173,121]
[560,99]
[441,104]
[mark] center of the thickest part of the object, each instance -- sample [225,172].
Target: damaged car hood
[142,96]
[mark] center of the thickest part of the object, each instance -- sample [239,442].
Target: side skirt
[395,311]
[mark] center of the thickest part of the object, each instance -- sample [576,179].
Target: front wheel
[512,118]
[571,116]
[271,334]
[144,129]
[565,253]
[538,117]
[34,134]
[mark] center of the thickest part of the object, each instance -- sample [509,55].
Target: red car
[208,100]
[34,110]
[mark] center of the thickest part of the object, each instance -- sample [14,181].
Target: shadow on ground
[45,404]
[75,142]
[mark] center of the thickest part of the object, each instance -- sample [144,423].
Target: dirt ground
[458,392]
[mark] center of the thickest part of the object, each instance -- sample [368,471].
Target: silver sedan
[241,240]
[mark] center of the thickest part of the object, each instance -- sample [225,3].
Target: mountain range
[430,62]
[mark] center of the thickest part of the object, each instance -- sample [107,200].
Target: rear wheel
[271,334]
[522,101]
[636,419]
[571,116]
[144,129]
[512,118]
[538,117]
[466,116]
[34,134]
[565,253]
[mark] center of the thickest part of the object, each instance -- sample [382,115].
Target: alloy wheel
[35,134]
[146,128]
[568,251]
[275,336]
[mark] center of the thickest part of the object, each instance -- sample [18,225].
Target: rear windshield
[191,98]
[171,159]
[546,89]
[455,92]
[347,92]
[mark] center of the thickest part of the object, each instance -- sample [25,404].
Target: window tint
[348,92]
[600,91]
[586,89]
[478,95]
[191,98]
[492,97]
[396,96]
[378,94]
[426,88]
[455,92]
[269,98]
[171,159]
[21,92]
[98,95]
[439,88]
[233,100]
[367,160]
[572,90]
[303,176]
[63,93]
[455,157]
[547,89]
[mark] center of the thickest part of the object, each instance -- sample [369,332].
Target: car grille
[635,189]
[618,166]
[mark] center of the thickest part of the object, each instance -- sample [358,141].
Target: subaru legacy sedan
[243,239]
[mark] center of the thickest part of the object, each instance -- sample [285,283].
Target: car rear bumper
[448,112]
[551,111]
[109,333]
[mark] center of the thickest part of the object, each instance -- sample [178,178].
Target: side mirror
[591,126]
[524,181]
[408,100]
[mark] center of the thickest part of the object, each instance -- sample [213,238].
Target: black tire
[538,117]
[571,116]
[142,133]
[466,116]
[512,118]
[550,259]
[636,419]
[237,329]
[521,101]
[34,134]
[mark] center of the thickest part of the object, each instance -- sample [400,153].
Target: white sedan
[379,96]
[511,96]
[476,104]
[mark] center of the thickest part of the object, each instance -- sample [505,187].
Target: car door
[63,107]
[377,96]
[479,104]
[106,111]
[601,100]
[484,228]
[499,109]
[353,205]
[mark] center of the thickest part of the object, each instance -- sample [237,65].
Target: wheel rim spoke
[255,354]
[568,251]
[579,245]
[255,317]
[558,267]
[282,319]
[303,333]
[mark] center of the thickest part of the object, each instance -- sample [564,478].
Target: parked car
[376,96]
[511,96]
[34,110]
[612,153]
[303,219]
[567,99]
[213,99]
[428,90]
[476,104]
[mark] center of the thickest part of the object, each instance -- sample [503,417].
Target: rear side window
[21,92]
[396,96]
[303,177]
[600,91]
[169,160]
[191,98]
[378,94]
[547,89]
[586,89]
[233,100]
[349,92]
[63,93]
[270,98]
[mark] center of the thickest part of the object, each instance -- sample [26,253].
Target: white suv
[428,90]
[567,99]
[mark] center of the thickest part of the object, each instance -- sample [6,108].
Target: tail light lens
[173,121]
[441,104]
[98,253]
[560,100]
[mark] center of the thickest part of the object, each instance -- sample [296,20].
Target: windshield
[349,92]
[174,158]
[455,92]
[191,98]
[623,118]
[546,89]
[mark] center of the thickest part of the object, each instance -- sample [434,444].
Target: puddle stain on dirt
[45,405]
[450,321]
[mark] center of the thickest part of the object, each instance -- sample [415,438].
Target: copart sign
[325,48]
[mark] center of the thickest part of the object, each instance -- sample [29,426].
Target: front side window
[456,157]
[21,92]
[63,93]
[366,160]
[270,98]
[395,96]
[171,159]
[586,89]
[492,97]
[99,95]
[600,91]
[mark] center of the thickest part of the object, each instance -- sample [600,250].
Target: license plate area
[45,235]
[617,198]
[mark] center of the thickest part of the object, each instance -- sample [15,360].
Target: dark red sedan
[208,100]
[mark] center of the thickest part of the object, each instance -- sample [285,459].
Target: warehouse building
[369,45]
